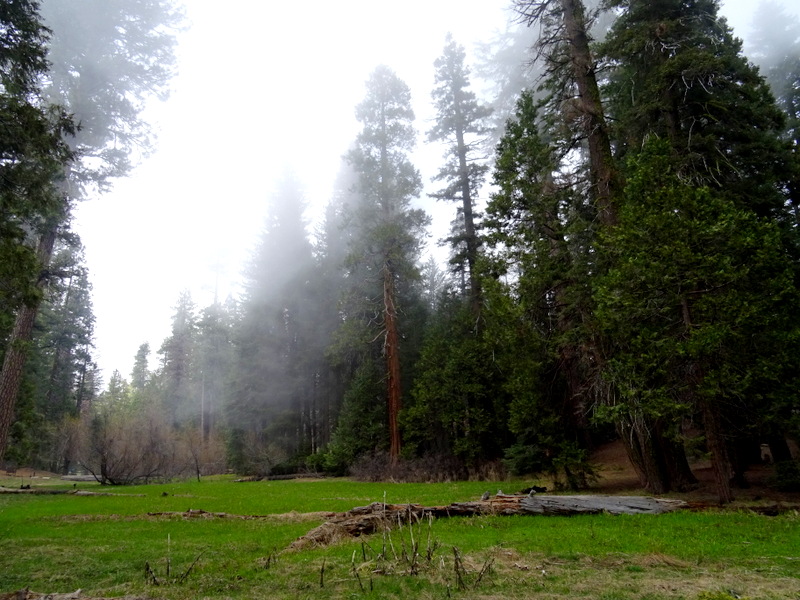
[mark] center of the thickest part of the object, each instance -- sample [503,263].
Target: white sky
[263,85]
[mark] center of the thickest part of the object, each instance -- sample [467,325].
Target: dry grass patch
[621,577]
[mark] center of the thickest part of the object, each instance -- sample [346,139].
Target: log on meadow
[365,520]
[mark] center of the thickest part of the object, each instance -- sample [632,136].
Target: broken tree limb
[364,520]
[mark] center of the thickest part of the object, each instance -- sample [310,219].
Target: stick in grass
[487,565]
[183,577]
[355,572]
[149,574]
[458,568]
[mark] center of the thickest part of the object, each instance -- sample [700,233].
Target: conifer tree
[388,232]
[541,230]
[33,156]
[177,377]
[461,123]
[267,405]
[679,75]
[105,59]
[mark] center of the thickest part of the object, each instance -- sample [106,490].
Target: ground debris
[48,492]
[364,520]
[198,513]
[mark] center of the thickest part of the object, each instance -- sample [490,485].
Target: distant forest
[624,262]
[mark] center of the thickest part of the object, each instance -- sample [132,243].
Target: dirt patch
[617,476]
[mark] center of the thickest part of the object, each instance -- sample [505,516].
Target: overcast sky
[263,86]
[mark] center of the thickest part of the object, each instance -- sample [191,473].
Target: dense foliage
[634,277]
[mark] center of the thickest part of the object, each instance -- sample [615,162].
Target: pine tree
[574,99]
[140,375]
[271,388]
[387,231]
[700,302]
[775,47]
[542,231]
[679,75]
[104,62]
[177,377]
[33,156]
[461,123]
[214,361]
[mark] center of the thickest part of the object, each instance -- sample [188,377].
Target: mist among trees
[623,261]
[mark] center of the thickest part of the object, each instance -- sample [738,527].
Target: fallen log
[615,505]
[51,492]
[365,520]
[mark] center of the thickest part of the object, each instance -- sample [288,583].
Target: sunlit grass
[102,543]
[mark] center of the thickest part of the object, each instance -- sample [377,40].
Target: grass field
[101,544]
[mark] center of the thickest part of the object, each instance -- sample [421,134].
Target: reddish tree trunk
[17,349]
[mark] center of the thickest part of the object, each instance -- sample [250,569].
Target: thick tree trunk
[659,463]
[601,161]
[719,452]
[17,349]
[680,474]
[471,237]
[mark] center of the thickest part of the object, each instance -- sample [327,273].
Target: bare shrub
[65,444]
[125,447]
[206,454]
[257,455]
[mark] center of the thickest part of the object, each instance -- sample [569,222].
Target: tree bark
[601,161]
[470,235]
[637,436]
[719,452]
[19,341]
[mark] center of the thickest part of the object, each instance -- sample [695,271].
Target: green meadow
[114,546]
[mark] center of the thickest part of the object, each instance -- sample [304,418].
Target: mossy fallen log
[365,520]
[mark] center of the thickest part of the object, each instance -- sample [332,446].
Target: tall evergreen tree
[177,378]
[268,405]
[388,232]
[775,47]
[33,155]
[542,230]
[699,302]
[140,375]
[461,123]
[214,359]
[105,59]
[571,72]
[679,74]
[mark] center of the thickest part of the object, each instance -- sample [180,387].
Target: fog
[262,88]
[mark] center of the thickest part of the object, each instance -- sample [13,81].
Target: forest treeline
[624,264]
